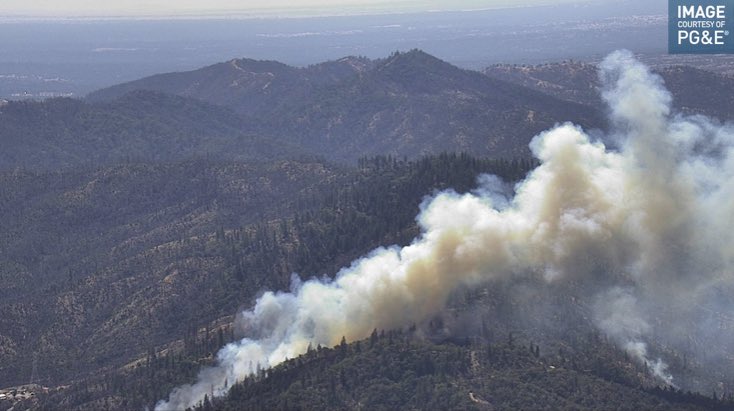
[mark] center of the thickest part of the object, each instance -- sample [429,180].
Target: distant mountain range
[408,104]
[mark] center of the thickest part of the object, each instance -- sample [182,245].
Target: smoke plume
[646,228]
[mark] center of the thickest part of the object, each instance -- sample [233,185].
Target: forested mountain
[406,104]
[250,86]
[694,91]
[136,223]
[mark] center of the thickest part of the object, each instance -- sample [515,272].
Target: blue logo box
[700,26]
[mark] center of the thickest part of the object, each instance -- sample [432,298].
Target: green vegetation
[92,256]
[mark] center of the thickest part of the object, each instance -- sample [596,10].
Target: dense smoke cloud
[646,229]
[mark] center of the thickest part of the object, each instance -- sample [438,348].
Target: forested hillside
[395,370]
[140,126]
[103,265]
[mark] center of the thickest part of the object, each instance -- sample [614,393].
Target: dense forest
[214,245]
[398,369]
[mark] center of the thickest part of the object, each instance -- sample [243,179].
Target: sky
[136,8]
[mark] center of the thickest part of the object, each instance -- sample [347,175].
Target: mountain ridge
[409,103]
[695,91]
[142,125]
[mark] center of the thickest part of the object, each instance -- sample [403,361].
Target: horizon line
[275,14]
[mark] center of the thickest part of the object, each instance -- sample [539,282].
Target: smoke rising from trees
[646,228]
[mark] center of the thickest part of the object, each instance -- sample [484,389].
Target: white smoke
[618,314]
[649,225]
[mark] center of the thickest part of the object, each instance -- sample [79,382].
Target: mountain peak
[414,56]
[342,68]
[416,62]
[357,63]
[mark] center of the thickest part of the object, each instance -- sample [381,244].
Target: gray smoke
[649,224]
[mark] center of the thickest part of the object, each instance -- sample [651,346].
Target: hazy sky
[70,8]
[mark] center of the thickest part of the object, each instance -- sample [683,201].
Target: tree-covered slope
[101,265]
[140,126]
[397,370]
